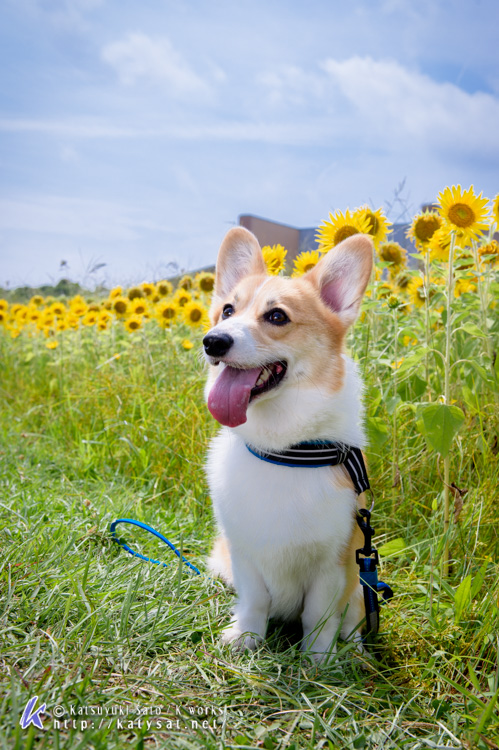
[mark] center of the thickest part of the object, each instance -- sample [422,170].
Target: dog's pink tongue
[229,397]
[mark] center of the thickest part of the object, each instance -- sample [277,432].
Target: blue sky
[133,134]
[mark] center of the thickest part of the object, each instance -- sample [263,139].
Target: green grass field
[126,654]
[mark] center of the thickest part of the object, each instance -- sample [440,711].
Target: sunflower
[3,317]
[495,209]
[90,318]
[182,297]
[194,313]
[120,305]
[33,313]
[305,261]
[58,308]
[139,306]
[166,312]
[463,286]
[148,289]
[402,280]
[103,319]
[62,324]
[392,252]
[339,227]
[186,282]
[134,292]
[489,252]
[116,292]
[423,227]
[186,344]
[275,258]
[464,211]
[164,288]
[133,323]
[415,290]
[379,226]
[385,290]
[37,300]
[78,306]
[52,344]
[205,281]
[4,305]
[73,320]
[439,244]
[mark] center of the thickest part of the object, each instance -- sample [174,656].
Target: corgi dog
[279,376]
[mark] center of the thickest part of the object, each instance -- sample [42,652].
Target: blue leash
[156,534]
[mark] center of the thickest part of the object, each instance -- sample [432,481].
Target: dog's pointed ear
[342,275]
[240,255]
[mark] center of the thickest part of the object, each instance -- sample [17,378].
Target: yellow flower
[439,244]
[4,305]
[78,306]
[90,318]
[392,252]
[275,258]
[495,209]
[134,292]
[58,308]
[187,344]
[164,288]
[167,312]
[73,320]
[52,344]
[182,297]
[379,226]
[185,283]
[120,306]
[103,320]
[36,300]
[385,290]
[339,227]
[205,281]
[148,289]
[402,280]
[464,211]
[133,323]
[463,286]
[139,306]
[491,249]
[34,313]
[423,227]
[194,313]
[305,261]
[415,291]
[116,292]
[3,317]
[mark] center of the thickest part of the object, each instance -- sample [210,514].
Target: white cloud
[397,105]
[140,57]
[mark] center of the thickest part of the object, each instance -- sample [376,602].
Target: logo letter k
[30,716]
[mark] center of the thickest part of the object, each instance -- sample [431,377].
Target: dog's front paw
[238,640]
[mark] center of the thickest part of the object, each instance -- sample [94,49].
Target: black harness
[316,454]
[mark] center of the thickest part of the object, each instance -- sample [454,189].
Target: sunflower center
[168,313]
[373,223]
[461,215]
[344,232]
[195,315]
[426,227]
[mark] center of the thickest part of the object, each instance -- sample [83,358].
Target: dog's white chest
[268,508]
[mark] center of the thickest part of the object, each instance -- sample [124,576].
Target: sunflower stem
[427,319]
[395,466]
[448,340]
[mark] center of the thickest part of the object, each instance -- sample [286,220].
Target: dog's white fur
[288,535]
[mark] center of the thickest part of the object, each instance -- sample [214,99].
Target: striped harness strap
[319,453]
[315,454]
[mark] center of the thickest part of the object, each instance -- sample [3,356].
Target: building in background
[297,240]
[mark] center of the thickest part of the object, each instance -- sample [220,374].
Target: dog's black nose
[217,344]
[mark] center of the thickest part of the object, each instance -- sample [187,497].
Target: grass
[111,643]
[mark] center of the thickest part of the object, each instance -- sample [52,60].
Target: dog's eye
[277,317]
[227,311]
